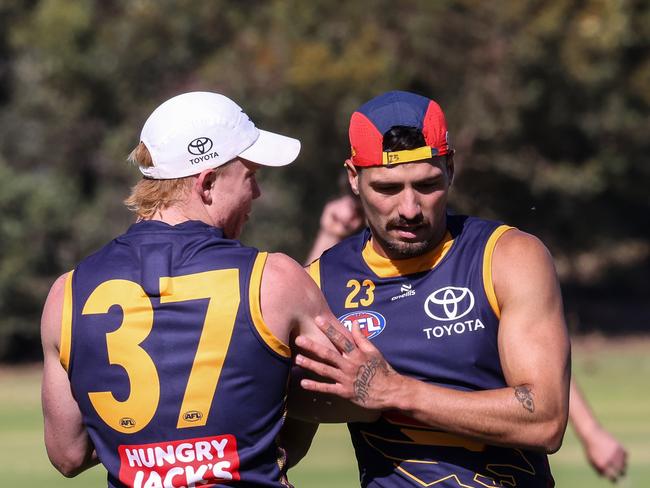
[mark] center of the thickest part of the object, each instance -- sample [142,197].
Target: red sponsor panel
[203,461]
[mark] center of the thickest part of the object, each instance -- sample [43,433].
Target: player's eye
[428,186]
[387,189]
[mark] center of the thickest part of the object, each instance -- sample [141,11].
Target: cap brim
[272,149]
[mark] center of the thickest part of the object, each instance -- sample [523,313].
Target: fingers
[319,387]
[616,466]
[348,213]
[320,368]
[317,351]
[342,216]
[337,334]
[361,341]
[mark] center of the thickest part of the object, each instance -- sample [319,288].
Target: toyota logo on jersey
[371,323]
[449,303]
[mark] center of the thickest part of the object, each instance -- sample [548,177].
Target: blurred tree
[547,104]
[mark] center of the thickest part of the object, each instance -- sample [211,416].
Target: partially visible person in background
[167,352]
[343,216]
[604,452]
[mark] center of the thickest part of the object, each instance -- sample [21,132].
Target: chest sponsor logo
[449,303]
[371,323]
[406,290]
[203,461]
[455,328]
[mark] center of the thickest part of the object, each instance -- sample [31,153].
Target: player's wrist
[400,394]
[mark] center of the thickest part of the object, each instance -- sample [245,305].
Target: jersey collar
[390,268]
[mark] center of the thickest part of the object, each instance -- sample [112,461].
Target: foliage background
[547,104]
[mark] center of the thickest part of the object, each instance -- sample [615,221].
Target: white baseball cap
[202,130]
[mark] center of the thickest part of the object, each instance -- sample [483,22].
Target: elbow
[67,462]
[554,437]
[67,469]
[556,429]
[553,442]
[551,435]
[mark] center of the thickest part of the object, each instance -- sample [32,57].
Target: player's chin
[408,249]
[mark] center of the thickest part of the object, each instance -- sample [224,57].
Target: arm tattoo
[365,375]
[525,396]
[336,337]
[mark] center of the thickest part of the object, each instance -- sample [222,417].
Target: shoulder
[515,245]
[57,292]
[522,266]
[53,311]
[285,281]
[289,297]
[282,268]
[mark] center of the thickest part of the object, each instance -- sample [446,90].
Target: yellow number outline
[215,337]
[123,345]
[369,288]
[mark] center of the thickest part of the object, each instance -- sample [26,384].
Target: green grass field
[614,376]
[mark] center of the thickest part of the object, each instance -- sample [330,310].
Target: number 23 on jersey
[360,294]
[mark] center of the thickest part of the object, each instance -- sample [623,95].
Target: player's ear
[449,162]
[353,176]
[204,184]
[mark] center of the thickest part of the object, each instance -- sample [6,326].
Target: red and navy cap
[374,118]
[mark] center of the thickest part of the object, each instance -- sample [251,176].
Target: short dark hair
[403,137]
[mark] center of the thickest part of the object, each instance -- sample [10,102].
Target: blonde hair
[149,196]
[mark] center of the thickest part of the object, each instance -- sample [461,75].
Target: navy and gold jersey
[179,380]
[435,318]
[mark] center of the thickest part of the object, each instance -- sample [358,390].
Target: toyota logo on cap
[200,145]
[449,303]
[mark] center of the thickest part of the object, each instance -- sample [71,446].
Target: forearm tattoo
[338,338]
[525,396]
[365,375]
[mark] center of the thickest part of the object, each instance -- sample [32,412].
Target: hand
[606,454]
[341,217]
[358,370]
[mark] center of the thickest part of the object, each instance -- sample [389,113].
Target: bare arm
[291,305]
[604,452]
[66,440]
[534,352]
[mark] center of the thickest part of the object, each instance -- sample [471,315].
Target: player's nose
[409,205]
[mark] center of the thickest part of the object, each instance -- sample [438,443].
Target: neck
[177,215]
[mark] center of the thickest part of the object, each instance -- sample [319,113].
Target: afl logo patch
[127,422]
[371,323]
[192,416]
[449,303]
